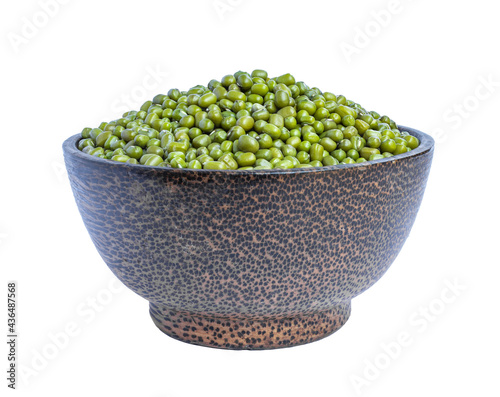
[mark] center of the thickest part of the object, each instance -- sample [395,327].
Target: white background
[426,68]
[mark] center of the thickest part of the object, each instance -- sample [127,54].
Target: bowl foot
[239,333]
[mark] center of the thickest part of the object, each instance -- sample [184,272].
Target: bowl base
[239,333]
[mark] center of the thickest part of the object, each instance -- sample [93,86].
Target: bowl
[255,259]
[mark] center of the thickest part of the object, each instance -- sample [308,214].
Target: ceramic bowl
[256,259]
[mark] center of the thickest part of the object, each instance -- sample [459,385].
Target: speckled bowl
[249,259]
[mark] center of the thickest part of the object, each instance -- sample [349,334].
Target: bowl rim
[426,145]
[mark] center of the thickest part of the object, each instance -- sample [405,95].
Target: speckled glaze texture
[249,259]
[249,333]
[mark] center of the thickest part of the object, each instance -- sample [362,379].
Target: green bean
[247,121]
[248,144]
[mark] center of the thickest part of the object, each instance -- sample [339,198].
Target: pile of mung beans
[247,121]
